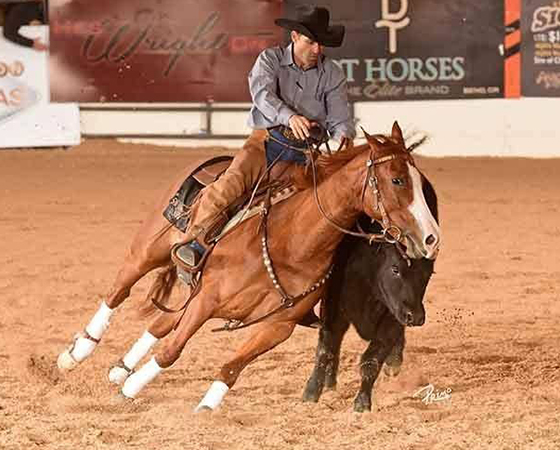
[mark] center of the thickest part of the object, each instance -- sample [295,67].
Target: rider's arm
[263,83]
[17,16]
[339,118]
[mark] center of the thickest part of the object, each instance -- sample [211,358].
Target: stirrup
[187,256]
[190,253]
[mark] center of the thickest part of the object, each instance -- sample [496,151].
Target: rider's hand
[345,143]
[39,46]
[300,126]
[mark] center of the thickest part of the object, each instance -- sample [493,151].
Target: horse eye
[395,270]
[398,181]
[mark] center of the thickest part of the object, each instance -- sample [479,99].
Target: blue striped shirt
[280,88]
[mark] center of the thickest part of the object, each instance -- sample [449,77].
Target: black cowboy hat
[313,22]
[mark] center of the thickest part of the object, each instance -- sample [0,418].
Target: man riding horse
[292,89]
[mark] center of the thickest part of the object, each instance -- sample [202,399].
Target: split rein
[390,233]
[288,301]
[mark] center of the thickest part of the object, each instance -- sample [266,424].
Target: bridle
[390,233]
[287,300]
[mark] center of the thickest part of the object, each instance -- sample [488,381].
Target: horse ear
[368,136]
[396,133]
[370,139]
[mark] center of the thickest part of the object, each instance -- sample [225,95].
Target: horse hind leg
[158,329]
[85,343]
[198,312]
[266,337]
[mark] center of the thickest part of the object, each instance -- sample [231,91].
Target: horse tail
[159,292]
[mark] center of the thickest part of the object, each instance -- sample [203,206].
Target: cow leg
[327,357]
[373,358]
[394,361]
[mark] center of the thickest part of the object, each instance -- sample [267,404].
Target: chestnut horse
[378,178]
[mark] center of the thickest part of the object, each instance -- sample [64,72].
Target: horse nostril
[430,239]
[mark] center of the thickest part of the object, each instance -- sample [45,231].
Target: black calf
[377,291]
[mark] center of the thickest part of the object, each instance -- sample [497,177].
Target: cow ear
[396,133]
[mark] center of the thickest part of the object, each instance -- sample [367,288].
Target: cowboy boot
[243,173]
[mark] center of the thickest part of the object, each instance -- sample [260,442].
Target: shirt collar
[288,58]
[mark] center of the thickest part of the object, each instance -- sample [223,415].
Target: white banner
[27,118]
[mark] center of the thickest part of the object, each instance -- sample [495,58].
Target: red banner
[158,51]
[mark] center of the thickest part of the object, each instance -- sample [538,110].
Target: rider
[291,88]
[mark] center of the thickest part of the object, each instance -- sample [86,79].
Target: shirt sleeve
[16,17]
[263,81]
[339,117]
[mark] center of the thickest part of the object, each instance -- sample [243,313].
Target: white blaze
[423,216]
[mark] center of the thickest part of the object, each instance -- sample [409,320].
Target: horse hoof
[202,409]
[118,375]
[65,361]
[121,399]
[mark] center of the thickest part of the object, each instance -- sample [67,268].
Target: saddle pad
[244,214]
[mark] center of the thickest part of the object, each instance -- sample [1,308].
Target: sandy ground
[492,333]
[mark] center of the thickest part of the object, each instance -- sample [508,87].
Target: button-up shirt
[280,88]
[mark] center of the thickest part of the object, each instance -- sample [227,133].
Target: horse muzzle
[427,247]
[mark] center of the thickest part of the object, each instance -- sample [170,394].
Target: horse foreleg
[266,337]
[326,358]
[84,344]
[157,330]
[198,312]
[373,358]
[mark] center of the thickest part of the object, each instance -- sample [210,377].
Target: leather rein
[288,301]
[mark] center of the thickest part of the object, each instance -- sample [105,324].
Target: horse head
[395,195]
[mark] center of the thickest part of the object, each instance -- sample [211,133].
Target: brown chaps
[246,168]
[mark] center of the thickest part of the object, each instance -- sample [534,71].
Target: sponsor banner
[27,119]
[158,51]
[421,49]
[23,76]
[540,48]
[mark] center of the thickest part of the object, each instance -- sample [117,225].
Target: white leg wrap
[83,347]
[213,397]
[141,378]
[140,349]
[100,321]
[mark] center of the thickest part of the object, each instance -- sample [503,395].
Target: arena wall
[525,127]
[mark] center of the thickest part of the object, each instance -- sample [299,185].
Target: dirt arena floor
[492,334]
